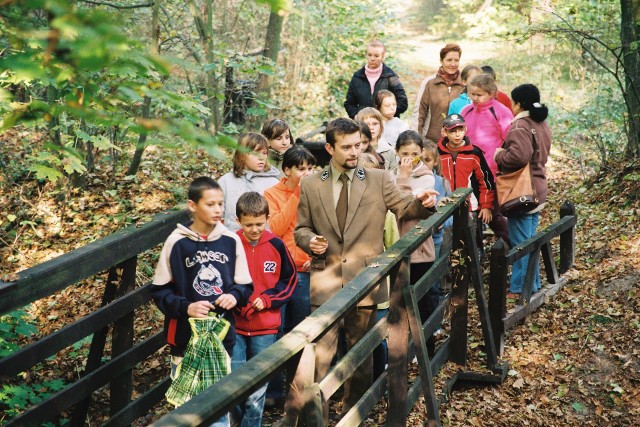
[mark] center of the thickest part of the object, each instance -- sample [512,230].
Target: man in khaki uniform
[342,228]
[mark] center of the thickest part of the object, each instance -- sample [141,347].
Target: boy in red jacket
[464,166]
[274,276]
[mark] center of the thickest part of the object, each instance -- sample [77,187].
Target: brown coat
[434,106]
[372,193]
[518,151]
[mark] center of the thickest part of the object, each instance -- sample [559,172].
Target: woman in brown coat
[445,86]
[528,141]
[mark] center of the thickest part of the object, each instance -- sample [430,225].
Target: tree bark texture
[271,46]
[630,38]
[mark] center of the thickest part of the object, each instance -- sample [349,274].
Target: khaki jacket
[372,193]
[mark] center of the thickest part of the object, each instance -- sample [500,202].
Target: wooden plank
[540,238]
[435,320]
[420,347]
[498,275]
[533,264]
[397,349]
[303,378]
[358,413]
[140,406]
[460,289]
[567,238]
[549,263]
[475,272]
[122,340]
[430,278]
[74,393]
[537,300]
[96,350]
[51,276]
[353,359]
[30,355]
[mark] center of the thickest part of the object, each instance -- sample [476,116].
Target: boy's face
[208,210]
[456,135]
[296,173]
[253,226]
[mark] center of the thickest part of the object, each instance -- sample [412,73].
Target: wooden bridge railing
[502,258]
[295,351]
[116,254]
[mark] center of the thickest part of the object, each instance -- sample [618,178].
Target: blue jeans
[520,229]
[298,307]
[249,413]
[223,421]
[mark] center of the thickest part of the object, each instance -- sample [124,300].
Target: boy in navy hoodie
[202,268]
[274,276]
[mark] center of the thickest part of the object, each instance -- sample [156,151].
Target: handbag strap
[535,144]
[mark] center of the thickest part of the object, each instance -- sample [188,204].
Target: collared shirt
[336,184]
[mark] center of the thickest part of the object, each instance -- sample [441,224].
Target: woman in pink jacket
[488,122]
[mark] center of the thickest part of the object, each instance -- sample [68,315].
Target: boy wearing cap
[464,165]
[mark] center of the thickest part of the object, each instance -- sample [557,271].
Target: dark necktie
[343,203]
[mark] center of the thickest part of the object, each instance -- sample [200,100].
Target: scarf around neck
[372,75]
[449,79]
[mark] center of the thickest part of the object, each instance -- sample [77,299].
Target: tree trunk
[271,46]
[146,107]
[630,38]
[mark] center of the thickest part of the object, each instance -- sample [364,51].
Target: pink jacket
[487,127]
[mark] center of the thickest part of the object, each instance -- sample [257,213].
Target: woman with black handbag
[528,142]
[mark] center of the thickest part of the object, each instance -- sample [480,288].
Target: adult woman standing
[368,80]
[528,141]
[439,91]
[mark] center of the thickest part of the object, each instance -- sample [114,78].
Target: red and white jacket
[468,169]
[274,276]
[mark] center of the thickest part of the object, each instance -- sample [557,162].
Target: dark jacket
[359,94]
[518,151]
[194,268]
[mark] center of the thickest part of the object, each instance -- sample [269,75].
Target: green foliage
[81,75]
[13,327]
[327,43]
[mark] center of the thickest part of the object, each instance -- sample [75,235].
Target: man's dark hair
[199,185]
[338,127]
[296,156]
[252,204]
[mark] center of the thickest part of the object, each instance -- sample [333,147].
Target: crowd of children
[238,257]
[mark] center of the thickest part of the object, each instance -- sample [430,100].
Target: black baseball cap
[453,121]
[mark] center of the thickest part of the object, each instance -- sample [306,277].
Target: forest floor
[576,361]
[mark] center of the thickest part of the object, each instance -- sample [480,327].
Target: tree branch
[119,6]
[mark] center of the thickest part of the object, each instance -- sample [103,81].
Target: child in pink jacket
[488,122]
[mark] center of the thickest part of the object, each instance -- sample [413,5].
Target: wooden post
[498,292]
[549,263]
[398,345]
[420,346]
[474,271]
[567,239]
[460,287]
[122,340]
[96,349]
[533,264]
[302,379]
